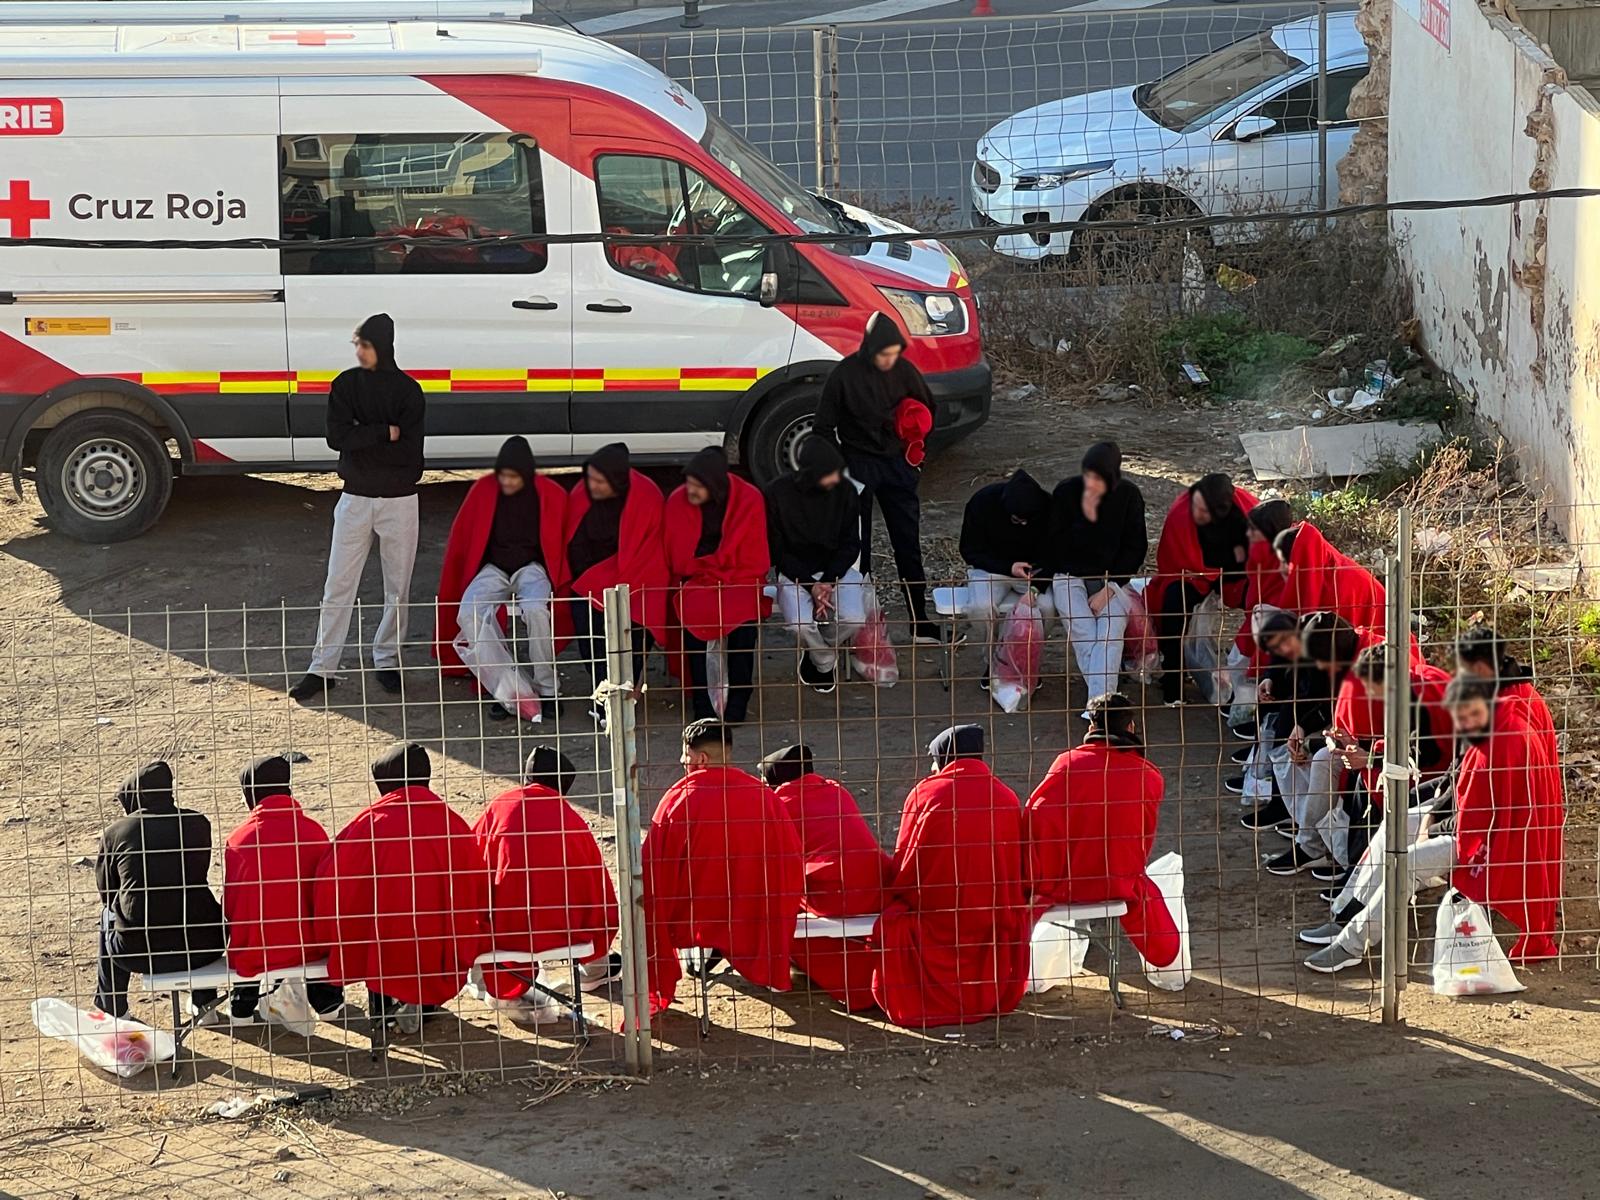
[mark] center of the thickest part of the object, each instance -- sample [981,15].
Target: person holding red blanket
[402,896]
[506,554]
[548,883]
[1204,546]
[718,559]
[614,536]
[723,870]
[1318,578]
[1089,827]
[269,870]
[846,871]
[953,939]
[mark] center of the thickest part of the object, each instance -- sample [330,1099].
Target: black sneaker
[311,686]
[1234,784]
[1268,816]
[1172,688]
[1241,756]
[388,679]
[549,706]
[983,684]
[496,711]
[1245,733]
[1332,873]
[1295,860]
[814,677]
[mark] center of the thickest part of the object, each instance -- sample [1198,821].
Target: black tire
[103,477]
[1113,254]
[778,428]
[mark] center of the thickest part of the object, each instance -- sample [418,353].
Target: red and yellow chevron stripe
[461,380]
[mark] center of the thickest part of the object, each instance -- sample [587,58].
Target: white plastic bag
[486,657]
[1201,650]
[1141,658]
[123,1046]
[1018,653]
[1167,874]
[1467,959]
[287,1005]
[872,653]
[1058,951]
[1242,687]
[717,674]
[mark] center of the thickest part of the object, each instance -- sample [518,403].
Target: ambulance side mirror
[768,295]
[779,266]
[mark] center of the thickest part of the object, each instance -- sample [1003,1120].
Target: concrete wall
[1508,296]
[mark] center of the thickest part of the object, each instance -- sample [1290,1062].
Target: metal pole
[1322,107]
[816,100]
[1396,770]
[691,14]
[617,694]
[833,104]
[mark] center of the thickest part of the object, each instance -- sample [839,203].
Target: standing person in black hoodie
[861,412]
[814,533]
[375,416]
[159,913]
[1098,539]
[1005,543]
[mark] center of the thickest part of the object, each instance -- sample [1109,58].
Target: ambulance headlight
[928,314]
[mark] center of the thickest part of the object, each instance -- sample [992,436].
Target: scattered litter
[1489,545]
[1335,451]
[82,860]
[1338,346]
[1167,1093]
[1317,414]
[1232,279]
[1340,396]
[1064,346]
[280,1177]
[230,1108]
[1362,401]
[1430,543]
[1265,1035]
[1379,379]
[1166,1031]
[1548,577]
[1195,374]
[102,721]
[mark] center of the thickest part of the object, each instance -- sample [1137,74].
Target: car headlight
[1054,177]
[928,314]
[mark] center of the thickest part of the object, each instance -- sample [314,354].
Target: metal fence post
[1396,955]
[1322,107]
[818,126]
[833,106]
[619,710]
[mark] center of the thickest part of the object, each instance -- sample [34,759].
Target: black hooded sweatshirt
[991,539]
[151,873]
[362,404]
[858,400]
[514,534]
[814,534]
[710,468]
[1114,544]
[599,533]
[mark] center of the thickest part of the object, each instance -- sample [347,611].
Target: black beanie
[405,764]
[786,765]
[264,777]
[548,767]
[378,332]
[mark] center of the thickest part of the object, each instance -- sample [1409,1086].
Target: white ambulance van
[255,120]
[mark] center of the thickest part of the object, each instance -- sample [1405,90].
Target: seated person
[402,896]
[1005,542]
[717,560]
[158,911]
[1089,827]
[952,942]
[269,870]
[1262,591]
[506,555]
[814,534]
[722,869]
[1282,657]
[845,871]
[548,885]
[1318,578]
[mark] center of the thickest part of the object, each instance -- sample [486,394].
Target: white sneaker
[408,1019]
[601,981]
[534,1008]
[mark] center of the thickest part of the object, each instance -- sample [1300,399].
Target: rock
[285,1154]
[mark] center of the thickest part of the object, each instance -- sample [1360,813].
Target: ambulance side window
[406,187]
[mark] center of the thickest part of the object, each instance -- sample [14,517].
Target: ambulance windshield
[756,170]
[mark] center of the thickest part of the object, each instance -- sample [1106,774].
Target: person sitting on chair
[1005,543]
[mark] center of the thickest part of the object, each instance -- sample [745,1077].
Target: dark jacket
[992,539]
[599,534]
[858,400]
[514,540]
[1111,546]
[814,534]
[362,404]
[151,873]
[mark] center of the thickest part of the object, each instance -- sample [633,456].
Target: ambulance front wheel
[103,477]
[779,428]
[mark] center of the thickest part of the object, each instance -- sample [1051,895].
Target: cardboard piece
[1547,577]
[1333,451]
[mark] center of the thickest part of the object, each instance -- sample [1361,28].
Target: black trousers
[115,966]
[741,673]
[891,483]
[589,628]
[324,997]
[1177,602]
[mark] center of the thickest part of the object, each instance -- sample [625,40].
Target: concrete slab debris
[1334,451]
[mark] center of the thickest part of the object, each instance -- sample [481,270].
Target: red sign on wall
[1436,20]
[31,116]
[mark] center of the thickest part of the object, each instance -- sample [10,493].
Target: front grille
[985,176]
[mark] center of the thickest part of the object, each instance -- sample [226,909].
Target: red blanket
[1360,712]
[1179,558]
[1531,706]
[1321,579]
[1089,827]
[269,868]
[722,870]
[953,939]
[548,883]
[463,558]
[402,899]
[721,591]
[640,560]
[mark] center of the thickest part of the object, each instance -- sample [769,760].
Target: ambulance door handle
[536,304]
[610,306]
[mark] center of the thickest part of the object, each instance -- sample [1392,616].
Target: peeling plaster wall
[1508,296]
[1363,171]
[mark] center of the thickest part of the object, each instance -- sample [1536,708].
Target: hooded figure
[813,532]
[402,896]
[1113,543]
[1007,523]
[548,883]
[1263,579]
[618,540]
[1321,579]
[505,552]
[363,405]
[150,872]
[952,943]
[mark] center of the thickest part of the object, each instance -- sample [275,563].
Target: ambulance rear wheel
[103,477]
[779,428]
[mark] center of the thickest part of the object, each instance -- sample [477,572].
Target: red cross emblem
[310,37]
[20,208]
[1467,929]
[676,97]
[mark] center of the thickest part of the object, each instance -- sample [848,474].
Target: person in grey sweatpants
[375,422]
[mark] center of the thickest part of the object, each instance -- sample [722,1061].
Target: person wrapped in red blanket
[1318,578]
[506,552]
[952,943]
[1263,589]
[1089,827]
[269,871]
[548,884]
[722,868]
[846,871]
[402,896]
[717,559]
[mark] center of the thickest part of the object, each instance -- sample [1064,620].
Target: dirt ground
[182,644]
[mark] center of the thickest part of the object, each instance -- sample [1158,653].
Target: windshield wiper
[848,224]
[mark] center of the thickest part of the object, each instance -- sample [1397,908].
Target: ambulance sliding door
[487,331]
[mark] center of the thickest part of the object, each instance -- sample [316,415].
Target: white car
[1233,130]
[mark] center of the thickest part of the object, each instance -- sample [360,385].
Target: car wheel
[103,477]
[780,426]
[1117,252]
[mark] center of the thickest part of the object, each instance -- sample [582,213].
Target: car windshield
[1191,94]
[754,168]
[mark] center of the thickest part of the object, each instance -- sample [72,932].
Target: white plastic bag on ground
[1058,952]
[717,674]
[1202,650]
[872,653]
[1167,874]
[123,1046]
[1018,653]
[288,1006]
[1467,959]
